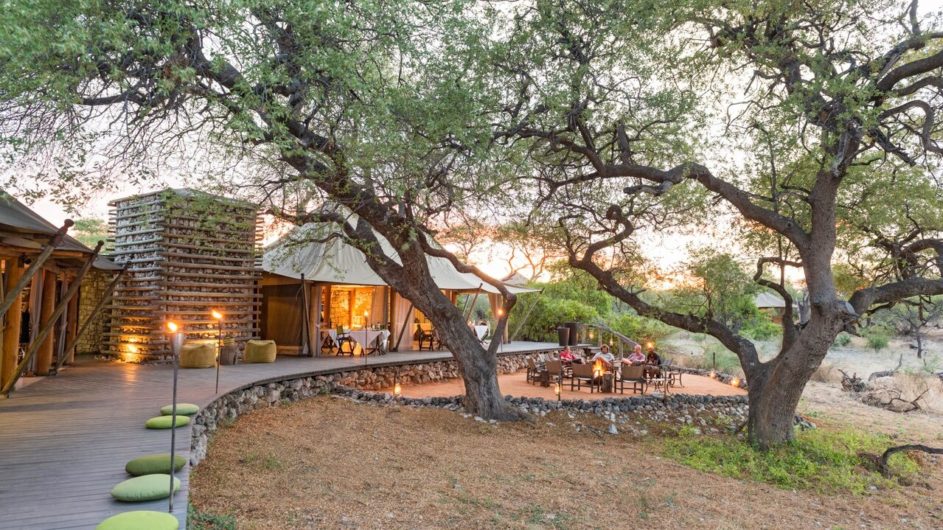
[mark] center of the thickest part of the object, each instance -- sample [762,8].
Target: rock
[612,429]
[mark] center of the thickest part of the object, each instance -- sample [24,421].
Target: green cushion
[140,520]
[145,488]
[164,422]
[183,409]
[159,463]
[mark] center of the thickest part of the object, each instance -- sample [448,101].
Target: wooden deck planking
[64,440]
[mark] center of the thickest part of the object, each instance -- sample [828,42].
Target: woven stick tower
[188,252]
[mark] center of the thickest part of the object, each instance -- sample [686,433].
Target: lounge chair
[583,373]
[556,370]
[634,375]
[532,371]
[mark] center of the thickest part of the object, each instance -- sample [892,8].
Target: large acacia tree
[293,102]
[809,127]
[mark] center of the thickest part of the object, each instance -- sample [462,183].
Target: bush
[820,460]
[726,361]
[547,315]
[877,337]
[843,339]
[762,328]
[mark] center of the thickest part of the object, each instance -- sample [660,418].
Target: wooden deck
[64,440]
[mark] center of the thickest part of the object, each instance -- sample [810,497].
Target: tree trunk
[772,410]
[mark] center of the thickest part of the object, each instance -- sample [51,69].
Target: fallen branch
[887,373]
[852,383]
[882,462]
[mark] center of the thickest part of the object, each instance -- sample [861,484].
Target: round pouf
[164,422]
[260,351]
[145,488]
[197,355]
[159,463]
[183,409]
[139,520]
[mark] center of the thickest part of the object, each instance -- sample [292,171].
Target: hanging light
[172,327]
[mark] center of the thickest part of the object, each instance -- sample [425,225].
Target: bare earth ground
[516,385]
[332,463]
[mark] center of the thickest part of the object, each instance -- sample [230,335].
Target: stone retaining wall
[360,385]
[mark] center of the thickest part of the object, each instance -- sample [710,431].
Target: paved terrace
[64,440]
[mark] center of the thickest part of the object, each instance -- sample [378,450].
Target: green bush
[548,314]
[200,520]
[820,460]
[877,337]
[762,328]
[843,339]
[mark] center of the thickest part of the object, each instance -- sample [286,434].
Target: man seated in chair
[604,356]
[636,358]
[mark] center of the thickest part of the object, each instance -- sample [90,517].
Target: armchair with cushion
[583,373]
[634,375]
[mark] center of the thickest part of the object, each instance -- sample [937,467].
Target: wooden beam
[34,267]
[47,308]
[47,323]
[11,330]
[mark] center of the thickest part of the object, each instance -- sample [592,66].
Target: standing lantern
[219,342]
[176,343]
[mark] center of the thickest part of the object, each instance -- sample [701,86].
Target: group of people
[637,358]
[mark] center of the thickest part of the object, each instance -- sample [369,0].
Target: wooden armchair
[344,338]
[634,375]
[583,373]
[532,371]
[429,339]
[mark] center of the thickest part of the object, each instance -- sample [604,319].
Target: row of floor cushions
[203,354]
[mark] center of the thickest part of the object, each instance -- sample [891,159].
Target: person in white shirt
[637,356]
[604,356]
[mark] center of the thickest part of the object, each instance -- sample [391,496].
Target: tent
[310,251]
[768,300]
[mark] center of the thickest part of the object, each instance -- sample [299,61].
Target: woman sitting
[636,358]
[566,356]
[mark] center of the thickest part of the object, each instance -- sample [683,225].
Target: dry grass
[328,463]
[826,373]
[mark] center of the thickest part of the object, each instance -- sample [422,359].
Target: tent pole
[306,350]
[34,267]
[472,306]
[49,324]
[402,330]
[526,316]
[91,316]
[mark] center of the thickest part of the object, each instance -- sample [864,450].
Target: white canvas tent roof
[769,300]
[336,261]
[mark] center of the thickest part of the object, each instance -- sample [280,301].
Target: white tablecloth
[481,331]
[366,338]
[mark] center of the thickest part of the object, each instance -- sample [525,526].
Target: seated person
[637,356]
[566,356]
[652,358]
[604,356]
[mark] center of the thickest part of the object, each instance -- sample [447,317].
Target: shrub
[547,315]
[842,339]
[877,337]
[638,328]
[820,460]
[762,328]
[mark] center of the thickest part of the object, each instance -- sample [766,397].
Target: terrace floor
[64,440]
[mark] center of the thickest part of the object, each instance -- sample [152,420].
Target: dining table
[370,340]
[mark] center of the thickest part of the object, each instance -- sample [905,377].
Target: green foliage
[819,460]
[639,328]
[761,327]
[878,337]
[842,339]
[90,231]
[200,520]
[548,314]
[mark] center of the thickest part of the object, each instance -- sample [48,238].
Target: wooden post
[46,320]
[72,327]
[106,297]
[316,320]
[11,331]
[47,326]
[34,267]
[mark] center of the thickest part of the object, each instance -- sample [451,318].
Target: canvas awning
[309,250]
[20,227]
[767,300]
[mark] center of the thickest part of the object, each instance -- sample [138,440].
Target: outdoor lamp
[219,342]
[556,390]
[176,343]
[713,374]
[397,390]
[735,382]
